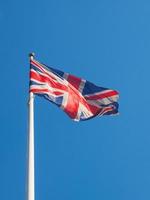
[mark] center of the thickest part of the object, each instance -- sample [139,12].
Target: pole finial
[31,55]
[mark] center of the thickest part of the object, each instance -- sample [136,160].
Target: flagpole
[31,180]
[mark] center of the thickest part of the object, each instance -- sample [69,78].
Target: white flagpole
[30,183]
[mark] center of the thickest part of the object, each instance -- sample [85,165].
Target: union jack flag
[77,97]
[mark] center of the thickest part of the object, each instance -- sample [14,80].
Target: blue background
[106,42]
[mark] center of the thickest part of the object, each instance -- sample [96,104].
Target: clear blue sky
[106,42]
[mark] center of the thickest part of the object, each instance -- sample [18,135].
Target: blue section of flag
[92,88]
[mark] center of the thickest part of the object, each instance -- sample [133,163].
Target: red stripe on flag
[44,91]
[39,77]
[72,104]
[75,81]
[94,109]
[102,96]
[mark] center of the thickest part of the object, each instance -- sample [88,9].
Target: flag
[77,97]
